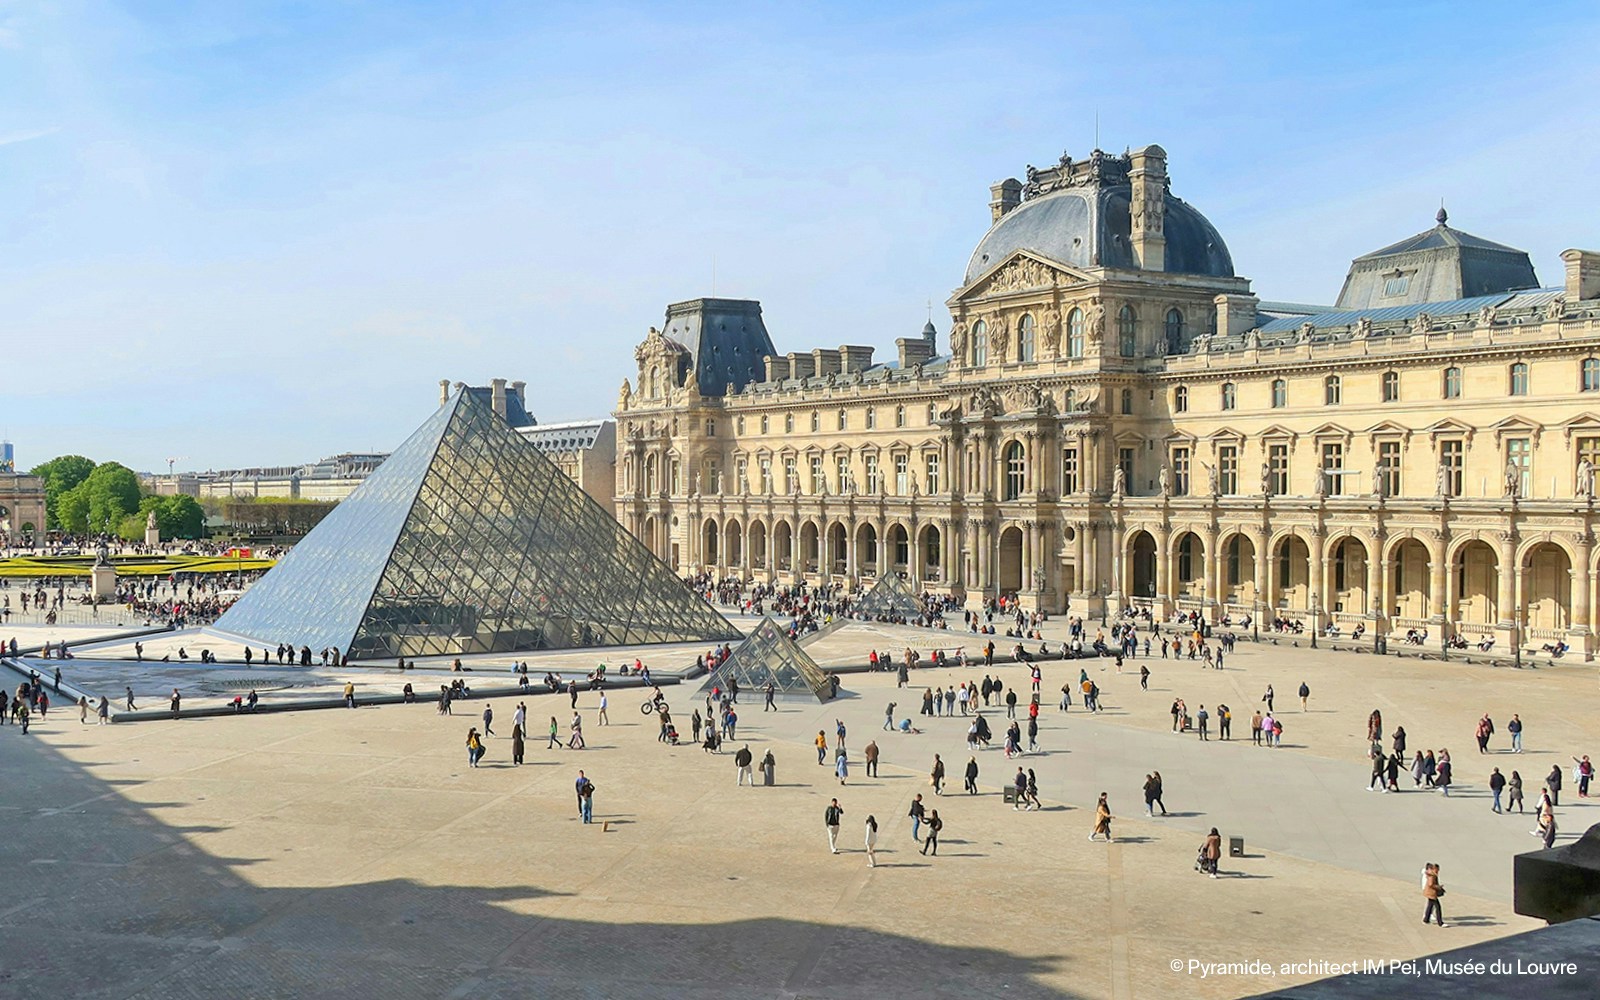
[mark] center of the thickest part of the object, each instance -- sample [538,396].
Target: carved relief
[999,339]
[1052,332]
[1021,275]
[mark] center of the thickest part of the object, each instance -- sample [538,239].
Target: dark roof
[516,414]
[1091,226]
[1438,264]
[726,340]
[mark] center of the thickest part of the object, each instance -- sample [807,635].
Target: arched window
[816,422]
[1452,383]
[1075,334]
[1016,470]
[788,423]
[1519,379]
[1025,338]
[1127,331]
[1280,393]
[765,425]
[1332,391]
[1391,386]
[1180,399]
[872,418]
[899,416]
[1174,331]
[738,426]
[1072,400]
[1230,395]
[980,344]
[843,421]
[1591,375]
[655,383]
[933,414]
[1127,401]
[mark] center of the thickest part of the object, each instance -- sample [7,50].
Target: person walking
[1432,891]
[1380,764]
[1211,850]
[888,718]
[349,694]
[1102,819]
[1033,734]
[575,741]
[1144,673]
[769,768]
[1255,727]
[971,784]
[872,842]
[1160,788]
[937,775]
[1514,727]
[918,813]
[870,753]
[474,747]
[131,706]
[586,800]
[831,817]
[1514,792]
[1549,831]
[772,692]
[1484,731]
[1019,790]
[1585,771]
[1033,791]
[1441,774]
[1497,784]
[83,711]
[1305,693]
[517,745]
[488,717]
[1011,703]
[555,734]
[603,719]
[1400,741]
[822,747]
[1149,794]
[1552,781]
[104,711]
[935,824]
[841,764]
[742,761]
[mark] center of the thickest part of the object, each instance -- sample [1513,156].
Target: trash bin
[1010,794]
[1235,847]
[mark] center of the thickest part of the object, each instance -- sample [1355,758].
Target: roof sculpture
[469,540]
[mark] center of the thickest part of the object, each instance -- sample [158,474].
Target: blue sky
[241,234]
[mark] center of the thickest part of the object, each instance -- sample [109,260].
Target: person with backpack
[1305,692]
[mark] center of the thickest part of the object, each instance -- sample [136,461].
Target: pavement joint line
[1408,930]
[1121,978]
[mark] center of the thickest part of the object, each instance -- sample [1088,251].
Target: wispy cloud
[12,138]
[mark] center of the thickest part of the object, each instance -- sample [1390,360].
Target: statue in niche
[1097,321]
[1266,480]
[1513,479]
[1052,332]
[1380,481]
[1586,479]
[1212,486]
[1164,477]
[1441,481]
[999,340]
[958,339]
[1119,482]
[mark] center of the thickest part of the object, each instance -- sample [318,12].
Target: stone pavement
[345,853]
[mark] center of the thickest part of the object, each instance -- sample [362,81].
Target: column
[1027,555]
[1507,572]
[1439,584]
[1164,569]
[883,547]
[851,543]
[1581,583]
[1212,566]
[1263,587]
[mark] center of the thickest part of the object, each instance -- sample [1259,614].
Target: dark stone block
[1562,883]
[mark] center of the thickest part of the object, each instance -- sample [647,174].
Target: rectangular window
[766,475]
[1519,454]
[1278,469]
[1389,467]
[714,473]
[1396,286]
[874,479]
[1451,455]
[741,475]
[1332,467]
[1125,463]
[677,478]
[1586,448]
[902,475]
[1180,472]
[844,473]
[817,480]
[791,475]
[1069,471]
[930,463]
[1228,469]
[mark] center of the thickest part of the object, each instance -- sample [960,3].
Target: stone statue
[1213,488]
[1486,315]
[1586,478]
[1441,481]
[1319,483]
[1119,482]
[1164,477]
[1422,324]
[1557,308]
[999,340]
[150,522]
[102,555]
[1266,480]
[1513,482]
[958,339]
[1097,321]
[1380,481]
[1052,332]
[1363,328]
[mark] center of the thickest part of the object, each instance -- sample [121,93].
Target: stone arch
[867,543]
[810,547]
[1547,584]
[733,542]
[838,549]
[1238,570]
[783,545]
[710,542]
[1291,572]
[1188,565]
[1411,578]
[1346,559]
[898,539]
[651,539]
[931,542]
[1475,570]
[1009,577]
[758,544]
[1141,563]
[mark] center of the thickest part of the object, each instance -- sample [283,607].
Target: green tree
[99,503]
[61,475]
[179,516]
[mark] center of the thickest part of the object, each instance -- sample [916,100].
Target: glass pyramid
[891,597]
[769,655]
[468,540]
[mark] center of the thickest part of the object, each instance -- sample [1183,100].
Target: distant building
[332,478]
[586,450]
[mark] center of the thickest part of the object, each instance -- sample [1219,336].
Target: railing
[1544,633]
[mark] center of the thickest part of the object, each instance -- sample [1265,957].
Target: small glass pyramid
[890,597]
[770,656]
[469,540]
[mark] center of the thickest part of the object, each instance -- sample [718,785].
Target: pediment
[1329,430]
[1225,434]
[1022,271]
[1386,428]
[1450,425]
[1516,424]
[1583,422]
[1277,431]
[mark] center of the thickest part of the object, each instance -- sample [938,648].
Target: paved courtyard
[343,853]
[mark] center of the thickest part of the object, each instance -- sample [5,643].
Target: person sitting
[1556,648]
[1360,631]
[1486,644]
[713,741]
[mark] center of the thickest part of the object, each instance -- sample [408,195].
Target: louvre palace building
[1116,420]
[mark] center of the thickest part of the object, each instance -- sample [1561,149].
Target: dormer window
[1397,283]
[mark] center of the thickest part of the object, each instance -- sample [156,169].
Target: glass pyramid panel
[770,656]
[495,550]
[891,597]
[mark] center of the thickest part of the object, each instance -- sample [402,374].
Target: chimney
[444,391]
[913,351]
[1003,197]
[777,368]
[1149,208]
[520,390]
[855,358]
[824,361]
[497,397]
[1236,314]
[802,365]
[1583,274]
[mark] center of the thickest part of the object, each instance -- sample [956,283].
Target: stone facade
[1097,435]
[22,508]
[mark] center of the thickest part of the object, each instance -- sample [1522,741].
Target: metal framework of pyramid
[889,597]
[770,656]
[467,539]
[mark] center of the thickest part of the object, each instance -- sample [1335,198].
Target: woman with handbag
[1432,891]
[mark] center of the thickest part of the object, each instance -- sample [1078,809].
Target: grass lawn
[26,567]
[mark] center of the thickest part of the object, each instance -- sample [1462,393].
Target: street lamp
[1516,637]
[1313,619]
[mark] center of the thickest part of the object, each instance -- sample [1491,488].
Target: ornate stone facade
[1147,431]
